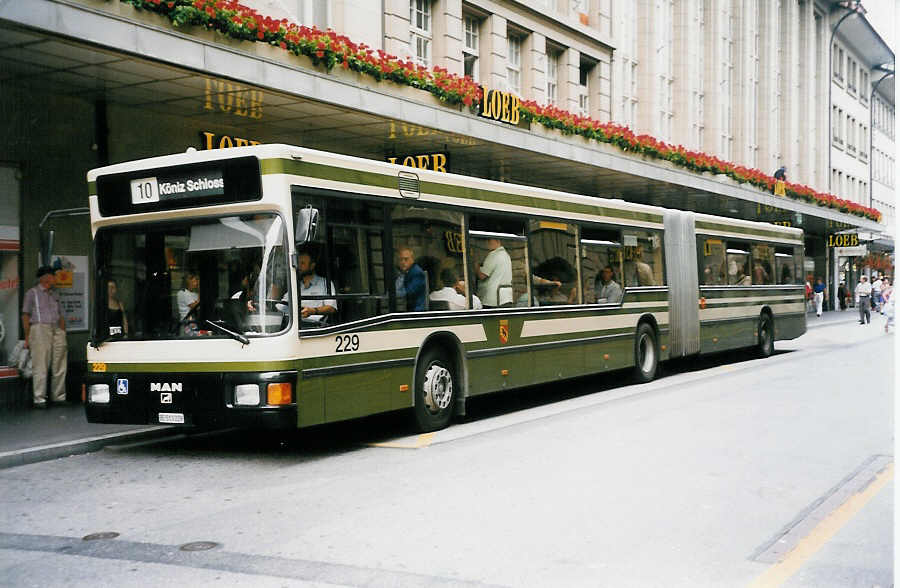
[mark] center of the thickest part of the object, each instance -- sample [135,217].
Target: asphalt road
[727,471]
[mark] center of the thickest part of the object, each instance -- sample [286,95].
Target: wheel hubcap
[438,388]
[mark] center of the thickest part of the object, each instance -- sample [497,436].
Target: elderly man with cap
[45,336]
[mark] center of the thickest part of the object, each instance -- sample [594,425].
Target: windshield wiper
[233,334]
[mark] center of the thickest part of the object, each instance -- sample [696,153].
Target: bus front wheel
[436,386]
[646,354]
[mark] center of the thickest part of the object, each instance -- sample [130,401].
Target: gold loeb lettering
[212,141]
[433,161]
[232,98]
[501,106]
[851,240]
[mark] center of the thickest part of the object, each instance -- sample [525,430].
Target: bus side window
[552,255]
[498,258]
[643,254]
[601,265]
[712,262]
[763,261]
[784,265]
[738,262]
[429,260]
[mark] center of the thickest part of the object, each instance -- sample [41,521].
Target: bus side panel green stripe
[745,231]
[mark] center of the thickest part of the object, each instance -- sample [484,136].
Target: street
[709,476]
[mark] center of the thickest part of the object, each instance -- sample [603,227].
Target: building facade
[85,83]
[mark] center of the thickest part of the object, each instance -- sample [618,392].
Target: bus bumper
[193,400]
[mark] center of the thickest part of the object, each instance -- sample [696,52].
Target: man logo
[165,398]
[165,387]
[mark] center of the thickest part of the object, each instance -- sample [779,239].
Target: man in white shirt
[453,292]
[314,310]
[496,271]
[863,296]
[608,291]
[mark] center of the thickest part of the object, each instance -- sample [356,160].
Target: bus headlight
[99,393]
[246,395]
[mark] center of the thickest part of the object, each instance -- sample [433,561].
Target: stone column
[448,42]
[396,28]
[569,68]
[534,68]
[492,53]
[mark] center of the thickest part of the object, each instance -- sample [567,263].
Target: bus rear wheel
[436,386]
[646,354]
[765,345]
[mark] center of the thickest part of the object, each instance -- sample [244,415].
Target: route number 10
[144,190]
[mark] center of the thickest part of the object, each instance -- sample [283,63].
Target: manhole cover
[103,535]
[199,546]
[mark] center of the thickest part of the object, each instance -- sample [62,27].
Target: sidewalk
[30,435]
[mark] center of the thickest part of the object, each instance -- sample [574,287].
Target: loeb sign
[502,106]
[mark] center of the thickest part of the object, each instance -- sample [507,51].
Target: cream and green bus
[277,286]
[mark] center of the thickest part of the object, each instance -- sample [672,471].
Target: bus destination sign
[197,184]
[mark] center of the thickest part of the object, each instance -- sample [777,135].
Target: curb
[10,459]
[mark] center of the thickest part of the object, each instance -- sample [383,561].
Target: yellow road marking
[822,533]
[423,440]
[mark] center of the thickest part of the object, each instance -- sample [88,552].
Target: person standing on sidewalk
[819,291]
[876,293]
[863,295]
[842,296]
[45,336]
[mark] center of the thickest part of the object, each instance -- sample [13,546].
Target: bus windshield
[171,280]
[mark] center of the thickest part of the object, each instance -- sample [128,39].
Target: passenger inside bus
[495,276]
[188,303]
[315,304]
[452,292]
[608,291]
[410,283]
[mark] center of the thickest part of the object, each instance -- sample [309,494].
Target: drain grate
[199,546]
[99,536]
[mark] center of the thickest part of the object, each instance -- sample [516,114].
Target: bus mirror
[306,225]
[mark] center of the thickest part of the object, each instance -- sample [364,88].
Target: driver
[314,310]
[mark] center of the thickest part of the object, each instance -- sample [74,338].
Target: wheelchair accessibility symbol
[122,386]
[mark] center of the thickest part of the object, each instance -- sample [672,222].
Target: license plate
[172,418]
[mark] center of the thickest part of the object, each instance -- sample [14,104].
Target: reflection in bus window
[712,262]
[643,258]
[601,265]
[428,250]
[763,261]
[554,277]
[498,254]
[738,256]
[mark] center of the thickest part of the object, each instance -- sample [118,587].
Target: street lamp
[852,7]
[889,71]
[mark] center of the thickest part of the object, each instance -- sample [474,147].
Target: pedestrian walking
[889,314]
[45,335]
[819,291]
[863,295]
[842,296]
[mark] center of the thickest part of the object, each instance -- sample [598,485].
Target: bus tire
[765,344]
[436,388]
[646,354]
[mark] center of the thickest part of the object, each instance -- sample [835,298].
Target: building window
[837,121]
[470,46]
[664,23]
[863,142]
[726,65]
[851,134]
[864,86]
[840,65]
[584,88]
[313,13]
[851,75]
[420,31]
[514,64]
[553,77]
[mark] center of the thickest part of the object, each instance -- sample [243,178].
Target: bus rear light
[279,393]
[83,393]
[99,393]
[504,372]
[246,395]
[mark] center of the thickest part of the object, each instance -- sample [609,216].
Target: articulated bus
[282,287]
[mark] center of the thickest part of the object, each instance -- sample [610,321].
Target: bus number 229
[346,343]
